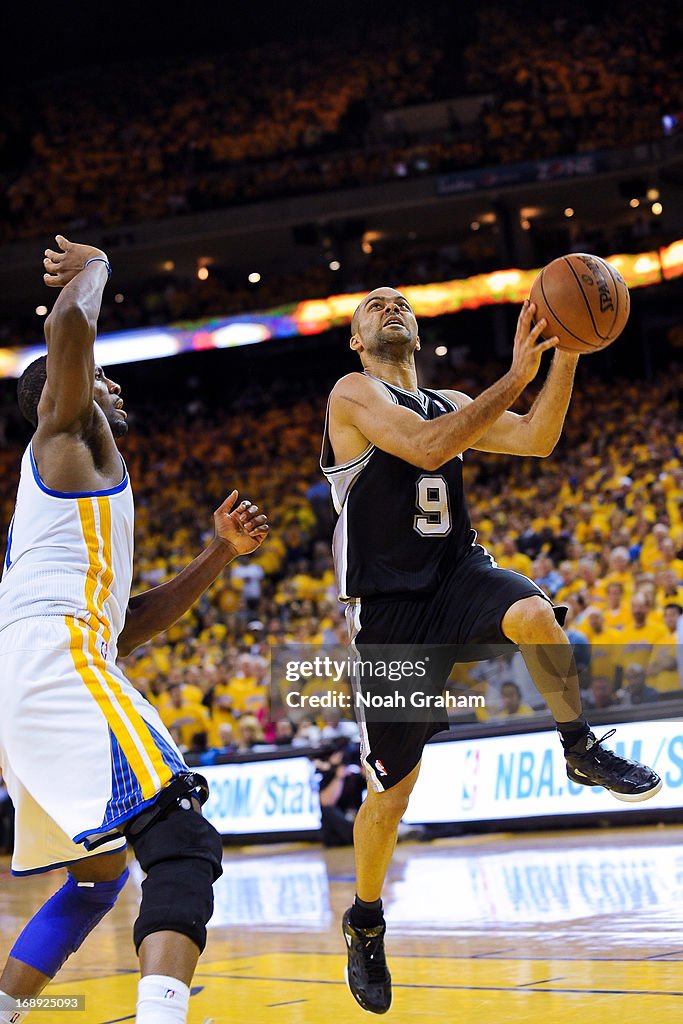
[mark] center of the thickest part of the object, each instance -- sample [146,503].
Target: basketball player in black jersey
[410,570]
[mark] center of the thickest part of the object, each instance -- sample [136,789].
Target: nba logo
[380,769]
[104,649]
[469,781]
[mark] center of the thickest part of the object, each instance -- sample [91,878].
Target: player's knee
[181,855]
[530,621]
[390,806]
[62,924]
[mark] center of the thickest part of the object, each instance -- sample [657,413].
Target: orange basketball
[585,301]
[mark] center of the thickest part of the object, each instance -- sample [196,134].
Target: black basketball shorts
[459,621]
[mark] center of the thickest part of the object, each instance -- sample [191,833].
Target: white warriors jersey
[69,554]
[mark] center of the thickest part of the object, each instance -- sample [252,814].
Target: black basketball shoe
[589,764]
[367,974]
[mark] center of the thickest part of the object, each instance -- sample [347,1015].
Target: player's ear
[417,344]
[355,344]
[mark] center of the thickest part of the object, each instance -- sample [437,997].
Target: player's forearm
[74,314]
[546,417]
[448,436]
[155,610]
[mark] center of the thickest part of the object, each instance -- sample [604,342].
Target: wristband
[99,259]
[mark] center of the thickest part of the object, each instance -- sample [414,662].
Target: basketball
[585,301]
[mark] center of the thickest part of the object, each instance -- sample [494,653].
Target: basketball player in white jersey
[87,761]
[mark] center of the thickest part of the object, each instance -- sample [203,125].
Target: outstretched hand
[62,267]
[239,526]
[527,351]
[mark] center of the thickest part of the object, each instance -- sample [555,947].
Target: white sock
[8,1010]
[162,1000]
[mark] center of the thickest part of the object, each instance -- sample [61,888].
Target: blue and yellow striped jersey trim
[135,743]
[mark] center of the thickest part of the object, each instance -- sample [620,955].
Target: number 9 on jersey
[434,517]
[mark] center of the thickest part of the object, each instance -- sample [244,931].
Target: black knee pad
[182,856]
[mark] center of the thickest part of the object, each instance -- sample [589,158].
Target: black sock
[366,915]
[572,732]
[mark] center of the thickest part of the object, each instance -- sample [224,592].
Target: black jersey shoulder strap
[441,399]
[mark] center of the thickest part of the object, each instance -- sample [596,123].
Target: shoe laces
[608,735]
[608,759]
[375,960]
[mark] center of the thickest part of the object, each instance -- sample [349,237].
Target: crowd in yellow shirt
[601,528]
[599,525]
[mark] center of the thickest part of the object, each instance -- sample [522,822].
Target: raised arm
[537,431]
[360,409]
[239,530]
[66,405]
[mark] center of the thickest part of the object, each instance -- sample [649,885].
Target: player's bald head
[384,291]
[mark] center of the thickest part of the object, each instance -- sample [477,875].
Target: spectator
[605,652]
[662,669]
[173,469]
[285,733]
[200,750]
[249,578]
[307,733]
[636,690]
[511,696]
[601,694]
[226,738]
[619,572]
[638,638]
[269,121]
[615,612]
[335,726]
[672,616]
[510,557]
[341,795]
[250,735]
[546,575]
[183,718]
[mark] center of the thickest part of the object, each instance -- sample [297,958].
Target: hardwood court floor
[540,928]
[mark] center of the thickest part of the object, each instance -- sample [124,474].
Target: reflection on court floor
[288,891]
[534,928]
[538,886]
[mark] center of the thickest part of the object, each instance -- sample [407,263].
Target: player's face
[386,320]
[107,394]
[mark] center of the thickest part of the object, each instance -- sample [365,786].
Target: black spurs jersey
[399,528]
